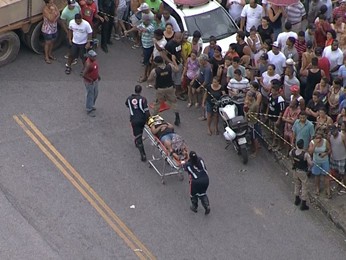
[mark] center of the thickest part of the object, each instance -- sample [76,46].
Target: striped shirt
[147,35]
[301,48]
[295,13]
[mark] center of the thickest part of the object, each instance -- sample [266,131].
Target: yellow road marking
[105,211]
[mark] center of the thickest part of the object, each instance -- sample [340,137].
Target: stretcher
[164,163]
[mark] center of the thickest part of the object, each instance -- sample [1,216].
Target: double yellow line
[83,187]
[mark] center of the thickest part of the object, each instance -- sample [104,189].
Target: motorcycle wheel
[244,154]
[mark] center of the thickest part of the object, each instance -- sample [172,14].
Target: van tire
[9,47]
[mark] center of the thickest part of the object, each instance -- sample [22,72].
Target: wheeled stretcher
[164,163]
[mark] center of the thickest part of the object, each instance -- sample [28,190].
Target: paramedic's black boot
[205,203]
[194,206]
[177,119]
[297,201]
[304,206]
[142,152]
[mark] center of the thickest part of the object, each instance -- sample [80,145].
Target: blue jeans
[92,92]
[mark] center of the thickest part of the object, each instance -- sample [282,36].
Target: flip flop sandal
[68,70]
[48,61]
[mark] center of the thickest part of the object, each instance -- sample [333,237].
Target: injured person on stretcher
[164,131]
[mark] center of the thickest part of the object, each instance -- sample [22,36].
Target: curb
[328,210]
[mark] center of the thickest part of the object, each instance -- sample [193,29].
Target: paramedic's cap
[294,88]
[275,44]
[158,60]
[143,7]
[71,2]
[92,53]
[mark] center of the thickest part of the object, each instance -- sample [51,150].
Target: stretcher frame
[160,154]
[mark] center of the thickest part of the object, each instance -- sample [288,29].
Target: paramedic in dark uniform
[199,182]
[139,114]
[164,85]
[301,163]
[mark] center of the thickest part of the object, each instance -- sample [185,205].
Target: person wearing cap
[301,164]
[106,9]
[199,182]
[277,58]
[80,34]
[295,95]
[282,37]
[139,115]
[67,15]
[337,141]
[147,32]
[164,85]
[91,78]
[290,80]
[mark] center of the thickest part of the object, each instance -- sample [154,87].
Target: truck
[20,23]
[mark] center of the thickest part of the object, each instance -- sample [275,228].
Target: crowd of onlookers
[289,63]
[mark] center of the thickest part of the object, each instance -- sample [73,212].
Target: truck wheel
[9,47]
[34,39]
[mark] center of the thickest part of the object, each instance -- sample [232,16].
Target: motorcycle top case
[238,123]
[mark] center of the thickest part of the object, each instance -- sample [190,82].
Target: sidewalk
[334,209]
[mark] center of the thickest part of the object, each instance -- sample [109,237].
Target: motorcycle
[236,126]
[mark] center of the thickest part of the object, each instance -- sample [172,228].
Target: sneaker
[202,118]
[116,37]
[189,105]
[74,62]
[66,56]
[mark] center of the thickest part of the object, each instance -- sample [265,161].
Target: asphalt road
[52,194]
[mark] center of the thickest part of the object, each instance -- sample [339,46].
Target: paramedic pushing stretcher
[139,114]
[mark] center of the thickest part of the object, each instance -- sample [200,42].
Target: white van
[206,16]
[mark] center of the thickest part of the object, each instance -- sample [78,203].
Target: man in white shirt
[335,57]
[168,18]
[235,7]
[79,36]
[237,88]
[253,14]
[282,37]
[276,57]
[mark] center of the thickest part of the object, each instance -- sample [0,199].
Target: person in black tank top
[314,76]
[164,85]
